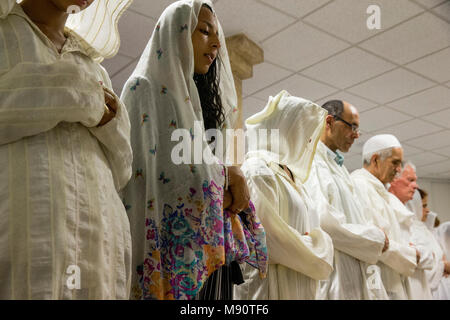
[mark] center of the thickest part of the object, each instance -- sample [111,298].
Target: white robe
[59,173]
[443,236]
[300,253]
[357,241]
[399,261]
[439,285]
[415,231]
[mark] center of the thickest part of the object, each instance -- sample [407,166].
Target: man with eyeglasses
[357,241]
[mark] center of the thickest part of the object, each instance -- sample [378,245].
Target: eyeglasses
[354,127]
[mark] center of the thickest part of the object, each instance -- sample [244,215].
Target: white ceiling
[398,77]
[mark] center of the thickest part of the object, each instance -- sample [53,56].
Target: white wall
[438,196]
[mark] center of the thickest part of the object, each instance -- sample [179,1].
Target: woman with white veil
[182,86]
[300,252]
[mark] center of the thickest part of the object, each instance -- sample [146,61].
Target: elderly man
[357,241]
[430,271]
[382,157]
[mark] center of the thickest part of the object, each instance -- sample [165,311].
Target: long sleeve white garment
[415,231]
[442,234]
[400,259]
[300,253]
[358,243]
[59,173]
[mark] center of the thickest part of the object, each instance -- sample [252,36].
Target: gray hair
[384,154]
[408,164]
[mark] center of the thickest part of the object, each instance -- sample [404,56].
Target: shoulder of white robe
[97,27]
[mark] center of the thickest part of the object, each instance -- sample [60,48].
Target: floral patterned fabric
[180,231]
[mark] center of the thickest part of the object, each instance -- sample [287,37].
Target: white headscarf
[431,220]
[415,205]
[96,26]
[300,123]
[161,96]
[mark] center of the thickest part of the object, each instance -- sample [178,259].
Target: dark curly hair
[209,92]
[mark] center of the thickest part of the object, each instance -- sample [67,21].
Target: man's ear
[375,159]
[329,120]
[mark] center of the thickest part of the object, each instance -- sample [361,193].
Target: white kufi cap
[380,142]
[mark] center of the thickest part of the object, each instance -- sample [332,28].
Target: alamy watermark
[374,20]
[230,149]
[72,9]
[74,277]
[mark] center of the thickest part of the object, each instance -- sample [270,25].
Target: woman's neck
[46,15]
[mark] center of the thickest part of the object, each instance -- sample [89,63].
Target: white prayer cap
[380,142]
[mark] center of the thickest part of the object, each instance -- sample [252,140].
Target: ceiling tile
[381,117]
[397,45]
[347,19]
[441,118]
[411,129]
[432,141]
[443,11]
[294,7]
[443,176]
[264,74]
[391,85]
[425,102]
[298,86]
[151,9]
[251,106]
[425,158]
[135,31]
[444,151]
[115,64]
[120,78]
[254,19]
[409,151]
[430,3]
[440,167]
[348,68]
[306,46]
[435,66]
[360,103]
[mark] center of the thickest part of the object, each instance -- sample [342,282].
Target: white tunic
[300,253]
[415,231]
[357,241]
[400,259]
[443,236]
[60,212]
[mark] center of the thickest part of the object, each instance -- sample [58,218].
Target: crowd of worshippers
[92,205]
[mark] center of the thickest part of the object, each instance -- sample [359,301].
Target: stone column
[244,54]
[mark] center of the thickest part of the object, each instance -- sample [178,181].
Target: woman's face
[72,6]
[205,40]
[425,209]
